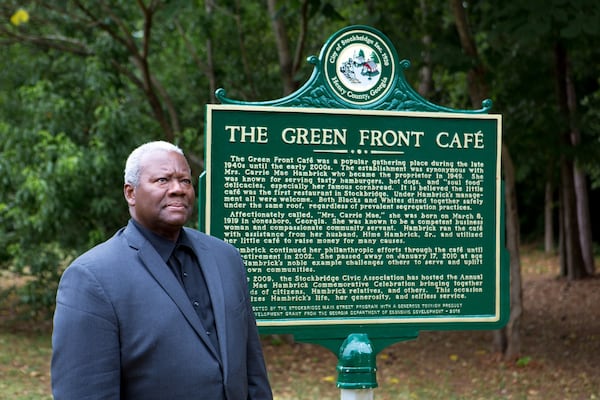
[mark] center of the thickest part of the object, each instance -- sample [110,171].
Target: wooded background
[82,83]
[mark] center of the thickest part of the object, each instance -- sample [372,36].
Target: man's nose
[176,187]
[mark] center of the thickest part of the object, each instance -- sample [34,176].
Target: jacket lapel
[165,278]
[214,282]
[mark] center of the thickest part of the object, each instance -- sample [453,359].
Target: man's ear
[129,192]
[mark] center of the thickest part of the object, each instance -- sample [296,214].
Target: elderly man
[158,311]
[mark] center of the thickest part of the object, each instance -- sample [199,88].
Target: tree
[69,110]
[62,129]
[291,63]
[550,41]
[83,83]
[508,340]
[571,246]
[87,82]
[122,39]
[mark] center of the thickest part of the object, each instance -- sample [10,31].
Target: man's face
[163,201]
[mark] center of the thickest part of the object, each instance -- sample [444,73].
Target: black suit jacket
[124,327]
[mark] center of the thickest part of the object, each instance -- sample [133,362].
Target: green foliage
[60,181]
[74,102]
[523,361]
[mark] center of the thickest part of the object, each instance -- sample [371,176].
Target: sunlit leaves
[19,17]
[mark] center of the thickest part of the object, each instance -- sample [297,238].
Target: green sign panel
[359,217]
[357,205]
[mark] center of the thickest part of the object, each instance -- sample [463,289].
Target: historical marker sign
[383,221]
[359,216]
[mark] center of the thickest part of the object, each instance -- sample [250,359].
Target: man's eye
[161,180]
[186,181]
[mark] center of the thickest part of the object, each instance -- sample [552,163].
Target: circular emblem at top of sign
[359,65]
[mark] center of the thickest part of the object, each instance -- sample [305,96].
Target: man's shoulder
[106,250]
[206,240]
[195,234]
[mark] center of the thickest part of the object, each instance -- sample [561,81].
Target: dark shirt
[180,257]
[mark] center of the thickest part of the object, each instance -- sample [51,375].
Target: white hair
[133,164]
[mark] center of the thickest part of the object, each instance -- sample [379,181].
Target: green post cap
[356,363]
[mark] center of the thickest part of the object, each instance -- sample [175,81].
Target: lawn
[24,364]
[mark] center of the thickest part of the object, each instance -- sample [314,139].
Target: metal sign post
[357,368]
[363,212]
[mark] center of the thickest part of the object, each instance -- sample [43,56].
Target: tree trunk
[478,90]
[584,220]
[507,340]
[283,48]
[243,52]
[572,249]
[512,331]
[426,71]
[301,43]
[139,56]
[549,218]
[561,237]
[579,180]
[209,5]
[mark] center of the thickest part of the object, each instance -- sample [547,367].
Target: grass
[24,366]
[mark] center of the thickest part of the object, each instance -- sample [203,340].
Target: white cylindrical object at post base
[357,394]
